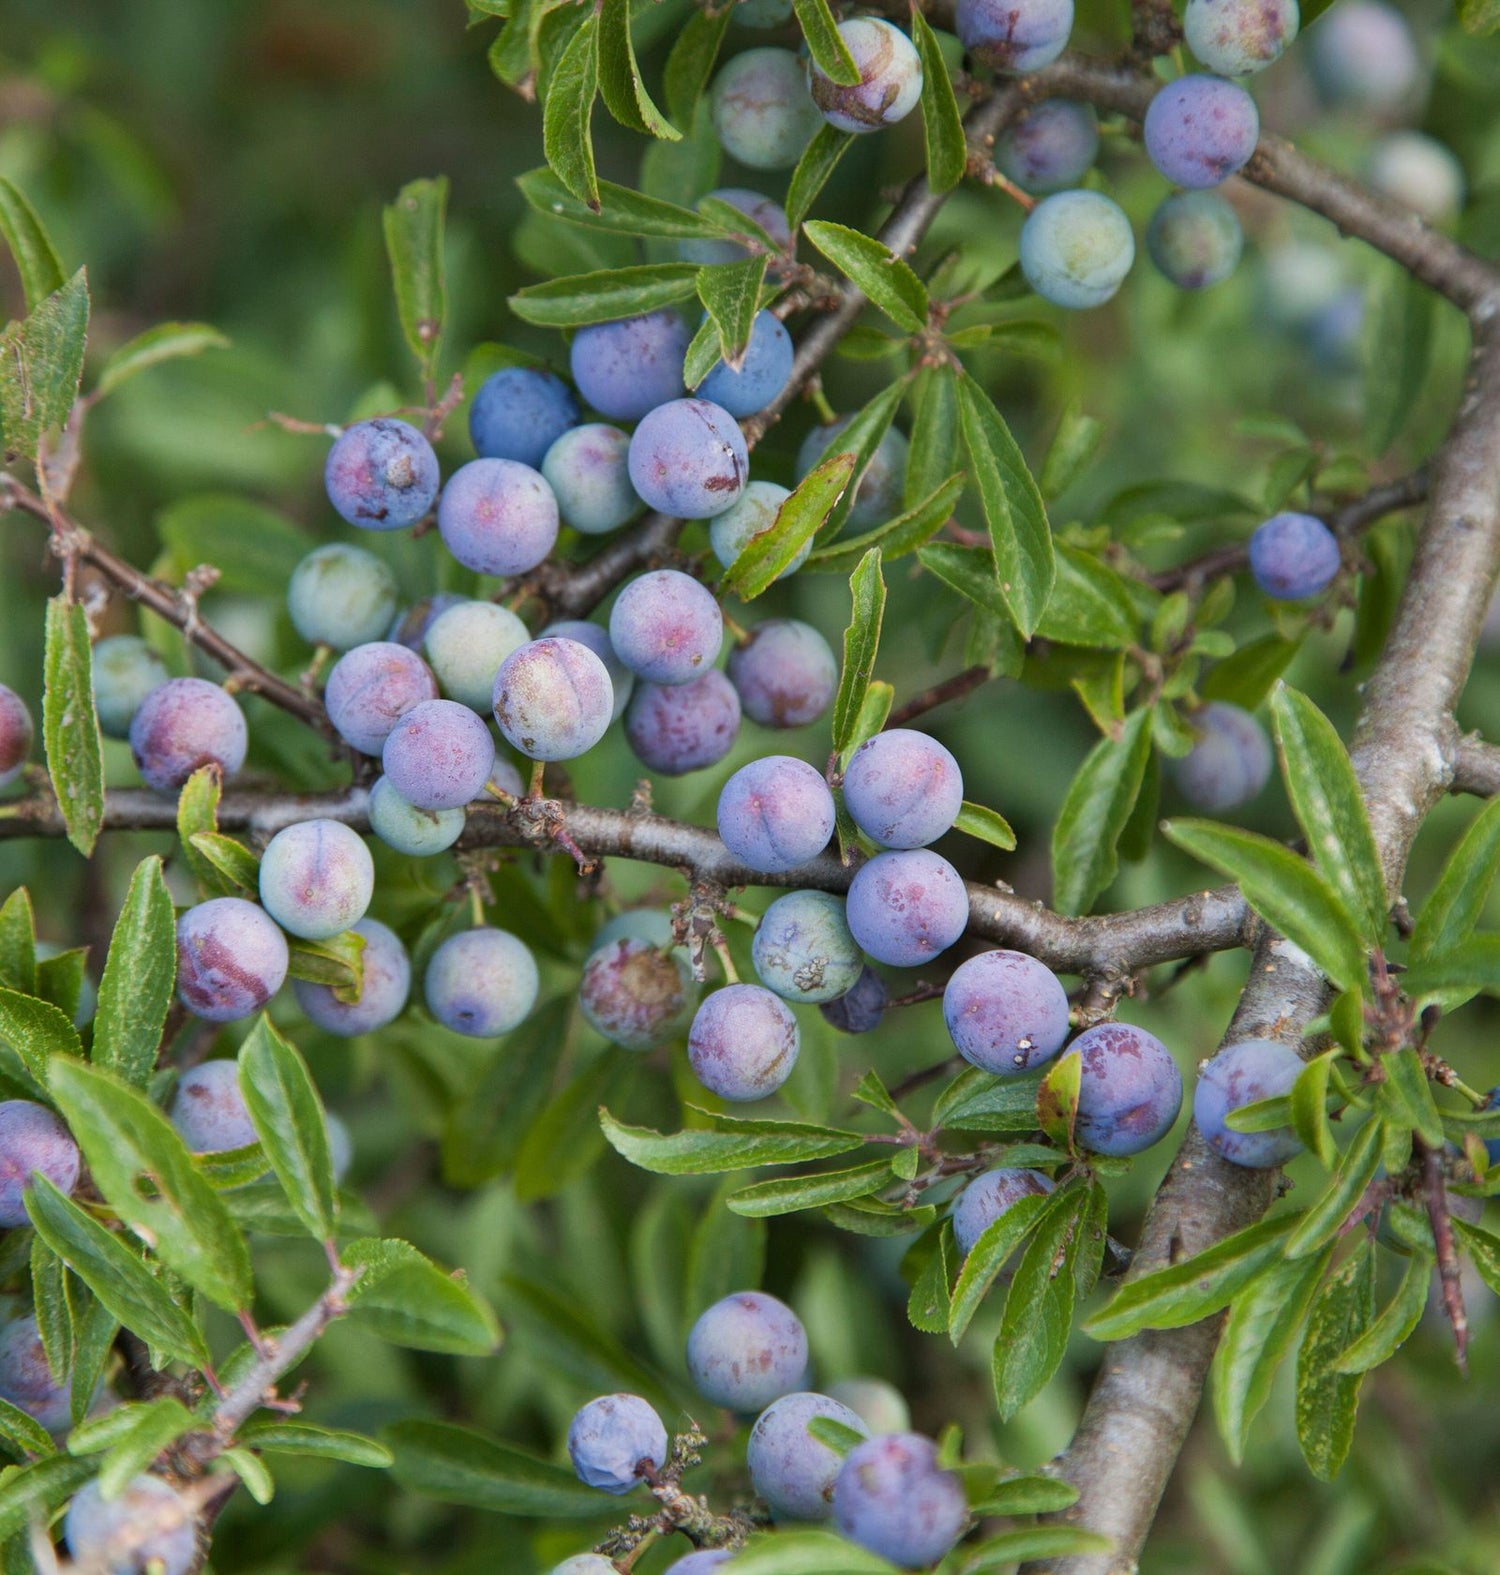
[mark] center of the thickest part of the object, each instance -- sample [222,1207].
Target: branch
[1476,767]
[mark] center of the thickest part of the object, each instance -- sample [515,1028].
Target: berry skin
[209,1111]
[676,728]
[32,1140]
[1230,762]
[904,908]
[1240,1075]
[766,369]
[688,459]
[465,646]
[743,1043]
[371,688]
[803,949]
[1051,147]
[666,627]
[481,983]
[126,670]
[776,813]
[730,533]
[989,1196]
[785,673]
[316,878]
[588,469]
[497,516]
[26,1380]
[553,699]
[16,733]
[519,412]
[93,1526]
[634,993]
[1195,239]
[879,1405]
[183,724]
[789,1468]
[859,1009]
[636,924]
[892,1498]
[231,959]
[1417,171]
[1129,1091]
[769,215]
[596,637]
[903,788]
[1200,129]
[1294,556]
[439,755]
[890,78]
[341,596]
[746,1351]
[1006,1012]
[1237,37]
[763,113]
[610,1436]
[626,368]
[381,474]
[418,833]
[1076,248]
[586,1564]
[1015,35]
[701,1562]
[1363,56]
[410,628]
[878,495]
[384,987]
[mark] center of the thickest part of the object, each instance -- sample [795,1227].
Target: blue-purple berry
[126,670]
[1076,248]
[439,755]
[688,459]
[519,412]
[231,959]
[1200,129]
[626,368]
[1006,1012]
[789,1468]
[610,1437]
[1015,35]
[385,983]
[1129,1089]
[1051,147]
[586,1564]
[371,688]
[419,833]
[651,925]
[182,725]
[498,516]
[803,949]
[161,1527]
[763,113]
[26,1379]
[766,368]
[990,1195]
[466,645]
[746,1351]
[1195,239]
[596,638]
[776,813]
[903,788]
[1230,761]
[890,78]
[701,1562]
[381,474]
[676,728]
[33,1141]
[762,210]
[666,627]
[588,469]
[743,1043]
[1294,556]
[481,983]
[906,907]
[785,672]
[878,495]
[860,1008]
[410,628]
[341,596]
[1237,37]
[316,878]
[1239,1075]
[209,1111]
[553,699]
[893,1498]
[635,993]
[1363,56]
[879,1405]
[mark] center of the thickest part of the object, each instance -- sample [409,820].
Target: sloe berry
[439,755]
[481,983]
[381,474]
[688,459]
[803,949]
[626,368]
[126,670]
[385,984]
[677,728]
[666,627]
[785,673]
[789,1468]
[746,1351]
[371,688]
[553,699]
[341,596]
[1239,1075]
[1129,1089]
[609,1438]
[183,724]
[903,788]
[743,1043]
[33,1140]
[231,959]
[776,813]
[316,878]
[497,516]
[1006,1012]
[904,908]
[519,412]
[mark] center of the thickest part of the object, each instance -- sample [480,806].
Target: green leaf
[691,62]
[1186,1292]
[70,728]
[995,1247]
[41,362]
[620,83]
[413,226]
[731,1144]
[148,1177]
[35,1491]
[1408,1092]
[567,113]
[1309,1108]
[1327,1398]
[1247,677]
[621,210]
[829,51]
[457,1465]
[1484,1249]
[1057,1100]
[806,1553]
[903,534]
[1479,17]
[838,1436]
[1031,1542]
[1032,1494]
[1090,604]
[988,825]
[338,962]
[18,943]
[197,813]
[254,548]
[1380,1342]
[885,279]
[1355,1171]
[1013,507]
[1286,891]
[942,126]
[407,1299]
[1330,808]
[819,160]
[1073,445]
[60,979]
[50,1305]
[1453,909]
[316,1443]
[21,1435]
[1400,352]
[153,1427]
[37,1031]
[1265,1319]
[862,436]
[933,457]
[288,1115]
[1453,975]
[135,992]
[786,1195]
[927,1307]
[769,553]
[1095,811]
[730,293]
[164,342]
[861,642]
[115,1273]
[605,296]
[258,1481]
[968,570]
[231,858]
[35,257]
[978,1101]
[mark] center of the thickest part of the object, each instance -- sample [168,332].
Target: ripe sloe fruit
[384,986]
[231,959]
[519,412]
[785,672]
[688,459]
[410,628]
[789,1468]
[183,724]
[1051,147]
[1200,129]
[609,1437]
[776,813]
[439,755]
[666,627]
[32,1140]
[762,210]
[891,1497]
[1294,556]
[878,495]
[316,878]
[553,699]
[906,907]
[25,1378]
[746,1351]
[1129,1089]
[1363,56]
[677,728]
[762,376]
[1229,763]
[803,949]
[596,637]
[1240,1075]
[625,368]
[371,688]
[481,983]
[497,516]
[743,1043]
[381,474]
[890,78]
[859,1009]
[209,1111]
[989,1196]
[1006,1012]
[588,469]
[1015,35]
[903,788]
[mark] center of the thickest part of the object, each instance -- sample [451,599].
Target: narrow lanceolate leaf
[198,812]
[828,50]
[1003,1553]
[942,126]
[33,1492]
[1400,1316]
[317,1443]
[1073,446]
[730,293]
[231,858]
[70,728]
[41,361]
[414,243]
[136,990]
[337,962]
[1356,1170]
[603,297]
[788,1195]
[51,1307]
[620,83]
[21,1436]
[1286,891]
[457,1465]
[154,1426]
[1330,808]
[1032,1494]
[621,210]
[1449,915]
[896,537]
[408,1300]
[769,553]
[1309,1108]
[1265,1320]
[165,342]
[787,1552]
[819,160]
[288,1116]
[18,943]
[999,1243]
[37,1031]
[862,437]
[861,641]
[1096,810]
[928,1304]
[30,246]
[1326,1397]
[1409,1095]
[115,1273]
[1187,1292]
[567,138]
[148,1177]
[732,1144]
[1090,604]
[988,825]
[1454,974]
[887,280]
[1484,1250]
[1013,509]
[691,62]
